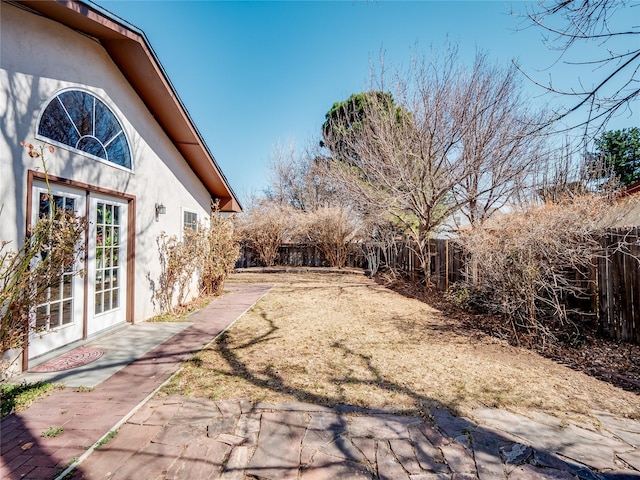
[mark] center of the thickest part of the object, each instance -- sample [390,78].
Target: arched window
[79,120]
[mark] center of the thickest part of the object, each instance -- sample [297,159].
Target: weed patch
[106,438]
[16,398]
[52,432]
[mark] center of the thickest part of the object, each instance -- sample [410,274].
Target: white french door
[59,320]
[106,265]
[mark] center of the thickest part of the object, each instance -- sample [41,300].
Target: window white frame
[70,148]
[183,220]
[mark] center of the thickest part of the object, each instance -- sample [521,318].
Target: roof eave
[132,53]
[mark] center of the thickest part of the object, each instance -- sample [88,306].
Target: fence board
[619,285]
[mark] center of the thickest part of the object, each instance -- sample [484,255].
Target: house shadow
[25,456]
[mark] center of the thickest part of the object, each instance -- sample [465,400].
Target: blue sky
[256,74]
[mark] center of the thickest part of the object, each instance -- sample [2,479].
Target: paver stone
[388,467]
[178,435]
[632,458]
[153,462]
[451,425]
[529,472]
[458,458]
[189,465]
[324,428]
[327,467]
[342,447]
[404,452]
[368,448]
[382,427]
[234,469]
[248,423]
[431,476]
[279,444]
[221,425]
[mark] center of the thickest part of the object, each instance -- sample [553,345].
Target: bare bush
[52,248]
[179,262]
[222,249]
[27,274]
[264,228]
[332,230]
[534,266]
[208,252]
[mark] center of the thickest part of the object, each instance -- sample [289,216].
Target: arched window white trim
[79,121]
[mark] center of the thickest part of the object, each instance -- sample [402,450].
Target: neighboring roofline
[131,51]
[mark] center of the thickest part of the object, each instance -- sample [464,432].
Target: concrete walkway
[182,438]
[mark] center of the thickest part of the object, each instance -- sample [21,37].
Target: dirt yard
[331,339]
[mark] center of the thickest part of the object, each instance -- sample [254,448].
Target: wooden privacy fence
[300,255]
[616,278]
[618,284]
[447,264]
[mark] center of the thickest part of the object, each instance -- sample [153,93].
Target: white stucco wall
[39,57]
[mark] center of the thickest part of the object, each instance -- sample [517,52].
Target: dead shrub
[532,268]
[179,261]
[53,247]
[265,228]
[222,249]
[332,230]
[210,252]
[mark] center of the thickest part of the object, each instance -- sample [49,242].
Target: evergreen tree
[618,152]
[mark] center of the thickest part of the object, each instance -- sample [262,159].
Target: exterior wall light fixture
[160,210]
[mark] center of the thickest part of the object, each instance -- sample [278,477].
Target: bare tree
[497,143]
[610,28]
[562,173]
[425,158]
[296,179]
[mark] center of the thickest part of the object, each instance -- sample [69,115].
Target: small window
[190,220]
[81,121]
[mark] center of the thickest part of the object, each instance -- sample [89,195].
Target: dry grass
[343,339]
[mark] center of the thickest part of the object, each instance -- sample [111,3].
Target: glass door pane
[107,268]
[57,307]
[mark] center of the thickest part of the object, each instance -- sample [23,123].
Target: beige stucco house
[127,156]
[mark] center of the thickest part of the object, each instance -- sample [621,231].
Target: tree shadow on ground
[495,454]
[610,361]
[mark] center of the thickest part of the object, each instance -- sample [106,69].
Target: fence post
[446,263]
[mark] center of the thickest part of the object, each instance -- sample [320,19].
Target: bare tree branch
[457,141]
[568,24]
